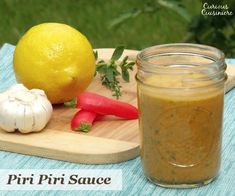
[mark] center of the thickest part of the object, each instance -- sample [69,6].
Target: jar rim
[199,63]
[219,60]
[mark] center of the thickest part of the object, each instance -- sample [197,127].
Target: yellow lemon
[56,58]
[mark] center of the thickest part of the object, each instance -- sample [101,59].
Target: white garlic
[24,110]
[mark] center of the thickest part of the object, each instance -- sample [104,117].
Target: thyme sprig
[109,70]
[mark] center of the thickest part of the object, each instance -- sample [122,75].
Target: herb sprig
[109,71]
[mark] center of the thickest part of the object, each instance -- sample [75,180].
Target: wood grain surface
[111,140]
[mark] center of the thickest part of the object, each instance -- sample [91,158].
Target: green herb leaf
[125,75]
[130,65]
[95,54]
[124,61]
[101,69]
[109,72]
[117,53]
[101,61]
[110,75]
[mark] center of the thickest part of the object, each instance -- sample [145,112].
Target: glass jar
[180,98]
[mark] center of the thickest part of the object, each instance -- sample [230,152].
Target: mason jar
[180,99]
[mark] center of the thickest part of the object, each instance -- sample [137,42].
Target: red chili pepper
[82,120]
[102,105]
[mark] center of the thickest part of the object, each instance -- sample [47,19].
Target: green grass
[92,18]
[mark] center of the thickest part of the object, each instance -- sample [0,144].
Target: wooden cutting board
[111,140]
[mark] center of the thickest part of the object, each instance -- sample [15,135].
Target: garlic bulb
[24,110]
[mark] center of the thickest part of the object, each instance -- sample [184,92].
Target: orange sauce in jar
[180,99]
[181,133]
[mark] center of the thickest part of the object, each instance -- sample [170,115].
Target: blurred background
[134,23]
